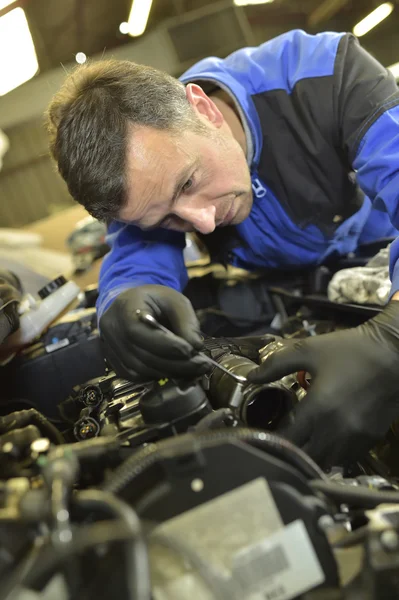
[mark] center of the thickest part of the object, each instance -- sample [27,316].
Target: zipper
[258,188]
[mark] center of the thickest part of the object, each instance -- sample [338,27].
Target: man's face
[189,181]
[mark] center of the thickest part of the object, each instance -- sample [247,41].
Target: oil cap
[51,287]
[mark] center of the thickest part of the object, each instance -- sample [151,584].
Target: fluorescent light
[81,58]
[373,19]
[247,2]
[18,57]
[5,3]
[124,28]
[138,17]
[394,70]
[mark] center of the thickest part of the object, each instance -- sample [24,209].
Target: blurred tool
[236,397]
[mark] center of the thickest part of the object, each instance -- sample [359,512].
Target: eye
[187,185]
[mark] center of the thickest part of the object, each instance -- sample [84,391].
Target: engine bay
[172,488]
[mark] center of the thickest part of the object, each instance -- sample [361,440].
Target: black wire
[138,573]
[355,496]
[23,568]
[85,538]
[47,428]
[147,456]
[31,416]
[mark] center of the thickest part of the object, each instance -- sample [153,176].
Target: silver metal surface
[149,319]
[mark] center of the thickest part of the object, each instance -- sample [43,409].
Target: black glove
[140,353]
[354,392]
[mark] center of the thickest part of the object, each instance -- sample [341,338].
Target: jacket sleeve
[138,258]
[366,111]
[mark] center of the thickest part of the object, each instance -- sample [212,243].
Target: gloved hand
[354,391]
[140,353]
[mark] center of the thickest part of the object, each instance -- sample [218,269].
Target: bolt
[325,522]
[40,445]
[197,485]
[8,447]
[389,540]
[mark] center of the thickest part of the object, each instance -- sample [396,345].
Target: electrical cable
[23,402]
[138,572]
[85,538]
[354,496]
[31,416]
[147,456]
[23,568]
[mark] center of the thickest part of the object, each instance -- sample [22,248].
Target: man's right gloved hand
[140,353]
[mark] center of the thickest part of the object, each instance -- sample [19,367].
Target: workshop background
[167,34]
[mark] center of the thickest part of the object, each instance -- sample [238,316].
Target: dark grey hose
[275,445]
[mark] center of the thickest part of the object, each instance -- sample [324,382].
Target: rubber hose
[146,457]
[85,538]
[355,496]
[48,428]
[138,578]
[31,416]
[26,565]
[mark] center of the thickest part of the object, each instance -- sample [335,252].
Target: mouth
[229,216]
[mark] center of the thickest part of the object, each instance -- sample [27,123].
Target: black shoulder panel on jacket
[363,91]
[310,136]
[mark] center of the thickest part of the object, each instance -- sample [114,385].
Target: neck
[227,107]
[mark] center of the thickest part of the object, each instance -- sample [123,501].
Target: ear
[203,105]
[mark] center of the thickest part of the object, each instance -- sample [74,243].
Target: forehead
[154,159]
[149,149]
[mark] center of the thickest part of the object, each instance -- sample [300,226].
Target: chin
[243,211]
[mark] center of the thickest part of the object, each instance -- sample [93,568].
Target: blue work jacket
[321,118]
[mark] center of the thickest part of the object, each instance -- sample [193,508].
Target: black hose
[31,416]
[138,572]
[85,538]
[18,575]
[46,427]
[354,496]
[147,456]
[96,449]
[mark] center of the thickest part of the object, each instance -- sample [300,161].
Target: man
[266,142]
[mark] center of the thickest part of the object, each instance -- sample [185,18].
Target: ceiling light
[81,58]
[394,70]
[138,17]
[124,28]
[5,3]
[247,2]
[373,19]
[19,61]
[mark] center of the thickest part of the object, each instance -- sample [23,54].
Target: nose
[203,218]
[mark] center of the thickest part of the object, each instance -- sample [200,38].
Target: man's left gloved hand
[354,393]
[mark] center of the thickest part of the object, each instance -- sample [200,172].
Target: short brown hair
[88,120]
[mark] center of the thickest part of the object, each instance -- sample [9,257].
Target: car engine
[172,489]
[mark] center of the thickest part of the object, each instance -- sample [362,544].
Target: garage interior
[164,489]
